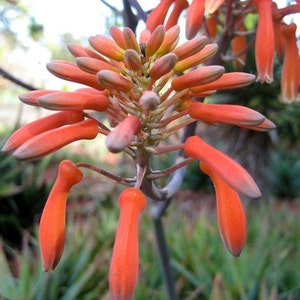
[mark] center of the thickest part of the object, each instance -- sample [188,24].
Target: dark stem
[163,251]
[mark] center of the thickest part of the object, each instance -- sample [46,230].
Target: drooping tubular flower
[146,90]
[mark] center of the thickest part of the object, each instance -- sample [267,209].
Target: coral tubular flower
[73,101]
[31,98]
[238,46]
[73,73]
[228,169]
[230,212]
[114,81]
[123,272]
[211,6]
[264,42]
[194,18]
[179,6]
[291,63]
[121,136]
[52,140]
[93,65]
[155,40]
[225,113]
[226,82]
[53,220]
[158,14]
[37,127]
[163,65]
[197,77]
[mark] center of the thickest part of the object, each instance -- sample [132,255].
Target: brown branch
[15,80]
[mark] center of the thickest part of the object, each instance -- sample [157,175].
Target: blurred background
[32,33]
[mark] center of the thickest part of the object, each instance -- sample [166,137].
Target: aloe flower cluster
[140,94]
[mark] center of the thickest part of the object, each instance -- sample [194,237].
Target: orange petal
[53,220]
[230,212]
[52,140]
[163,65]
[80,51]
[130,39]
[155,40]
[34,128]
[121,136]
[170,41]
[117,35]
[238,46]
[197,77]
[123,272]
[264,42]
[211,6]
[73,101]
[93,65]
[194,18]
[228,169]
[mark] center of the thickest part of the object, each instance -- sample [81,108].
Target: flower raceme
[139,92]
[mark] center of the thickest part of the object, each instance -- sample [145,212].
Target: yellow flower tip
[190,47]
[197,77]
[231,215]
[225,113]
[198,58]
[163,65]
[107,47]
[122,135]
[114,81]
[74,101]
[194,18]
[228,169]
[34,128]
[53,219]
[170,41]
[264,42]
[54,139]
[123,272]
[158,14]
[155,40]
[149,100]
[132,60]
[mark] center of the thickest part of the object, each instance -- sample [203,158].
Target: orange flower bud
[230,212]
[34,128]
[158,14]
[117,35]
[228,169]
[170,41]
[80,51]
[130,39]
[194,18]
[121,136]
[163,65]
[198,58]
[225,113]
[190,47]
[211,27]
[145,36]
[71,72]
[53,220]
[93,65]
[123,272]
[238,45]
[31,97]
[197,77]
[227,81]
[114,81]
[106,47]
[155,40]
[73,101]
[52,140]
[132,60]
[264,43]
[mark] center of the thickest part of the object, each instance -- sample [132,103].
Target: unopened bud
[132,60]
[149,100]
[163,65]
